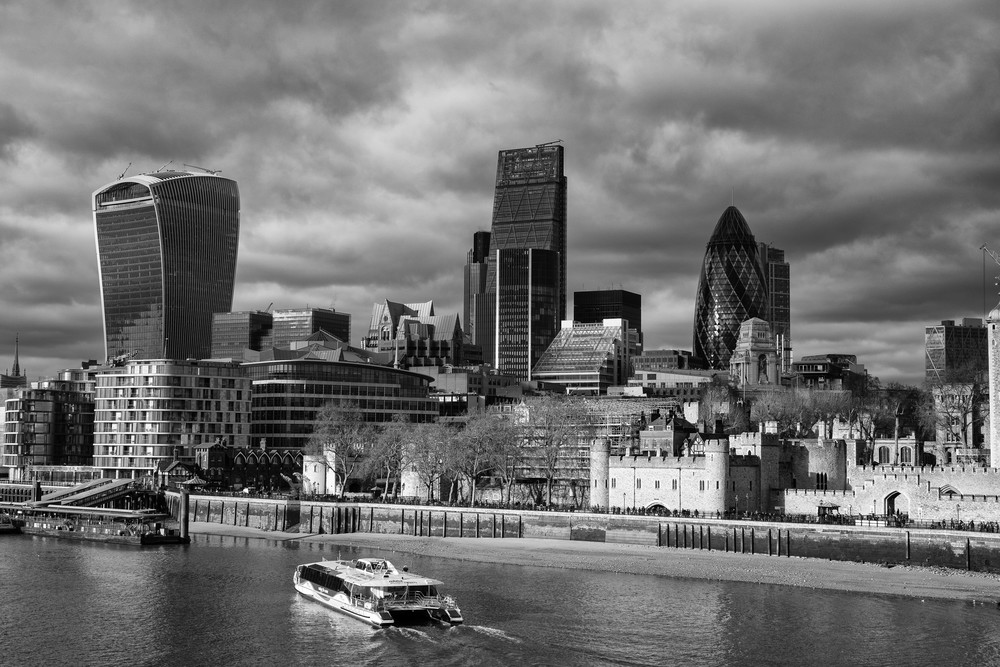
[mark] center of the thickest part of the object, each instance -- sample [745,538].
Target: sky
[862,138]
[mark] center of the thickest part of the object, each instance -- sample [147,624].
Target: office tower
[527,298]
[475,301]
[955,353]
[529,212]
[292,324]
[166,245]
[595,306]
[777,280]
[731,289]
[234,333]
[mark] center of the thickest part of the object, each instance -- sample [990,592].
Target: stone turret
[716,474]
[993,343]
[600,456]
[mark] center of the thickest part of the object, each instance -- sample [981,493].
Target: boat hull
[340,603]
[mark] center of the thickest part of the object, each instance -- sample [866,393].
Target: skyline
[861,140]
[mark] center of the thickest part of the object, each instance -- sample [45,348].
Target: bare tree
[386,456]
[340,437]
[552,431]
[472,455]
[427,452]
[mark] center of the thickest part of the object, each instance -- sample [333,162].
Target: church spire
[16,370]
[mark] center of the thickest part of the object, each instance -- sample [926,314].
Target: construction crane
[549,143]
[122,175]
[996,280]
[213,172]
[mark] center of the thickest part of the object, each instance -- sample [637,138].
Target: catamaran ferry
[373,590]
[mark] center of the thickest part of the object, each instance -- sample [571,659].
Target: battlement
[878,469]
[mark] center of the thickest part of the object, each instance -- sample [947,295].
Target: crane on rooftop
[996,280]
[213,172]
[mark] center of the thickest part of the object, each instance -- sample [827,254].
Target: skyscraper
[731,289]
[595,306]
[166,246]
[529,212]
[777,280]
[527,298]
[474,280]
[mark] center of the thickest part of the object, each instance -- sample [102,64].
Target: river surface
[230,601]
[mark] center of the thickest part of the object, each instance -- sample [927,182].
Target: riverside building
[291,386]
[166,246]
[49,425]
[158,410]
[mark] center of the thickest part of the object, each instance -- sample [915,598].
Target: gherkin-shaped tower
[731,289]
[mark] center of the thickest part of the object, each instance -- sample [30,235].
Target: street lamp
[633,488]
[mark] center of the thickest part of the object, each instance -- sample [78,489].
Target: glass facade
[289,394]
[731,290]
[587,358]
[777,275]
[529,211]
[475,299]
[298,324]
[166,245]
[233,333]
[527,300]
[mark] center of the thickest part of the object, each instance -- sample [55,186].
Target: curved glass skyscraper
[731,289]
[166,246]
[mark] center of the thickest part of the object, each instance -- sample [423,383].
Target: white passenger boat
[373,590]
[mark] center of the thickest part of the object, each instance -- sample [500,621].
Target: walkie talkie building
[731,289]
[166,247]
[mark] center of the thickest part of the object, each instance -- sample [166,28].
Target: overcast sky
[863,138]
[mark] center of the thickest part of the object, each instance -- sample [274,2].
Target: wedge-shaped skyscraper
[166,246]
[731,289]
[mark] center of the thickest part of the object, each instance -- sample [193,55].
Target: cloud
[859,137]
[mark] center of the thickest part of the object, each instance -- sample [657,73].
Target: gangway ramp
[56,497]
[103,493]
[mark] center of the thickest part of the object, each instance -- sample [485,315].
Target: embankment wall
[942,548]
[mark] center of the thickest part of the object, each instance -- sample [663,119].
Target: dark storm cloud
[859,137]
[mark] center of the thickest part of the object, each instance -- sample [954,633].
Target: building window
[657,484]
[701,485]
[638,483]
[673,484]
[612,482]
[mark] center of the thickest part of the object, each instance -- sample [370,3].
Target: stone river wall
[943,548]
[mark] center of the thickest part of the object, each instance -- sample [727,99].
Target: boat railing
[415,600]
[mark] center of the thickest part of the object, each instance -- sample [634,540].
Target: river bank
[900,580]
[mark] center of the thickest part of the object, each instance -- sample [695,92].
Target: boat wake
[496,633]
[413,633]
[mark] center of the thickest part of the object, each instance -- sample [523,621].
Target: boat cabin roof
[375,573]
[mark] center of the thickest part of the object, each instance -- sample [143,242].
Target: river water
[230,601]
